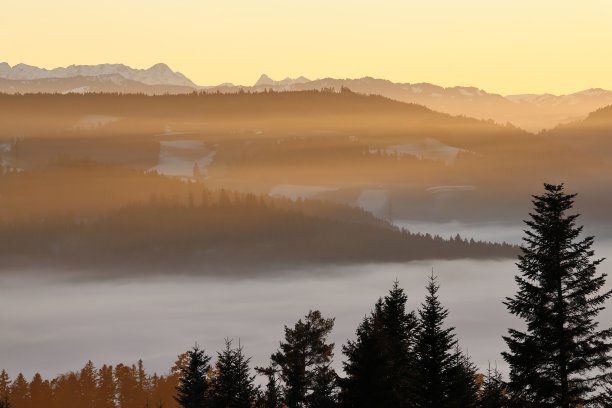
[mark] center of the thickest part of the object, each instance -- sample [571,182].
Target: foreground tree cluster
[398,358]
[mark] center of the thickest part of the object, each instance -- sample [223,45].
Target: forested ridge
[78,214]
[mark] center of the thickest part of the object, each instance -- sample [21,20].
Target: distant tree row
[107,387]
[245,230]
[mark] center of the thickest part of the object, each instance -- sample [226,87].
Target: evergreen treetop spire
[562,359]
[435,360]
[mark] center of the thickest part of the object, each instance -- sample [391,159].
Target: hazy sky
[514,46]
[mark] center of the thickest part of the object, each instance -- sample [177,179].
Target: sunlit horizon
[516,48]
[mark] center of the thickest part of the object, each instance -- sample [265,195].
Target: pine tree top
[562,356]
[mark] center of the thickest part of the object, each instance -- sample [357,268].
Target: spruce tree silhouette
[380,363]
[88,384]
[562,359]
[232,385]
[40,392]
[193,388]
[5,384]
[464,389]
[493,392]
[400,329]
[435,360]
[19,391]
[367,365]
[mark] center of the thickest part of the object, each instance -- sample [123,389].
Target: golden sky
[506,46]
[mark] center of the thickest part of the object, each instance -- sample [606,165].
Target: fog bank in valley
[60,323]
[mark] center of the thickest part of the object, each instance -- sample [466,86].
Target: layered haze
[180,172]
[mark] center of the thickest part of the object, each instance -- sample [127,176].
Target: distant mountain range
[87,84]
[158,74]
[532,112]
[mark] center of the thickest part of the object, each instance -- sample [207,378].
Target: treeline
[78,213]
[105,387]
[217,231]
[209,104]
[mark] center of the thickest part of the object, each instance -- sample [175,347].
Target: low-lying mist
[59,323]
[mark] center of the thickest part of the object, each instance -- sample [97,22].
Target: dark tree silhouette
[5,383]
[304,351]
[464,389]
[193,388]
[562,359]
[380,362]
[435,360]
[400,327]
[271,397]
[232,385]
[366,365]
[493,392]
[325,388]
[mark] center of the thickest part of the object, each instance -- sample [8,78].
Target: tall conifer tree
[88,384]
[400,327]
[5,383]
[193,388]
[40,392]
[367,365]
[380,362]
[435,360]
[106,388]
[493,392]
[232,386]
[463,389]
[562,359]
[20,391]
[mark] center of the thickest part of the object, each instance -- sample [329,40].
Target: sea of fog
[53,324]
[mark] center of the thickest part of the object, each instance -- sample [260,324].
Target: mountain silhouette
[158,74]
[265,80]
[532,112]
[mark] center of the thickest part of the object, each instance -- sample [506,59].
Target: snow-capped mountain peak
[158,74]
